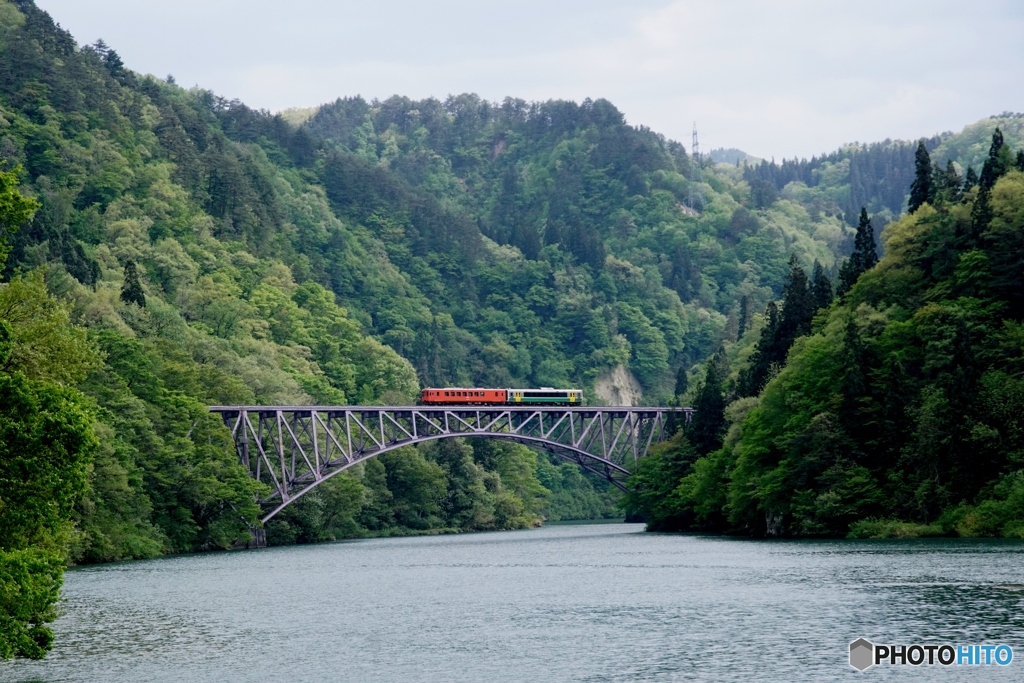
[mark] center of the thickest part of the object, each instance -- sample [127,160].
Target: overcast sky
[778,78]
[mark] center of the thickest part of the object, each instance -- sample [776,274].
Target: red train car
[461,396]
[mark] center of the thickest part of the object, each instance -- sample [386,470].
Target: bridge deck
[450,407]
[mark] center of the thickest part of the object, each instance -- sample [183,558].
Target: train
[500,397]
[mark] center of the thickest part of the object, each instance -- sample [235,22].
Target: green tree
[863,258]
[708,426]
[821,287]
[798,307]
[970,178]
[131,290]
[46,440]
[682,382]
[998,162]
[780,331]
[652,494]
[15,210]
[948,184]
[741,325]
[922,190]
[764,359]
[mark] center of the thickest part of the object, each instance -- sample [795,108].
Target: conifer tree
[922,190]
[1020,160]
[970,179]
[949,183]
[753,378]
[864,256]
[797,309]
[708,426]
[864,242]
[981,212]
[821,287]
[131,290]
[744,320]
[997,163]
[682,382]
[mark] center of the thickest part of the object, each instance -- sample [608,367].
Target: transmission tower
[696,176]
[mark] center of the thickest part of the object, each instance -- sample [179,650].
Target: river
[598,602]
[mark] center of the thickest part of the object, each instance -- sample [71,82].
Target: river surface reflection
[600,602]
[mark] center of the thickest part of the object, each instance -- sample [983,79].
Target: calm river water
[601,602]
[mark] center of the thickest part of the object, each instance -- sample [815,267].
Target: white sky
[778,78]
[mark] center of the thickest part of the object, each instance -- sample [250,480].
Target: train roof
[500,389]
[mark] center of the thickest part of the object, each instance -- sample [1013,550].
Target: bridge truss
[293,449]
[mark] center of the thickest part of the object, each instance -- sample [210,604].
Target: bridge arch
[573,455]
[294,449]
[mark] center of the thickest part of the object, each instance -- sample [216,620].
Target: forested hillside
[898,410]
[165,249]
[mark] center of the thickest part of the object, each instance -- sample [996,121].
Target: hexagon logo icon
[861,654]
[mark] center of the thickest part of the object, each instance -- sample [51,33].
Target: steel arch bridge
[295,448]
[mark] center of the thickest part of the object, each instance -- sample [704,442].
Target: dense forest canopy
[898,410]
[166,249]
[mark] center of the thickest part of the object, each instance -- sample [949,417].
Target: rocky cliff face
[619,387]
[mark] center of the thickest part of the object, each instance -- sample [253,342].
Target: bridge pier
[257,537]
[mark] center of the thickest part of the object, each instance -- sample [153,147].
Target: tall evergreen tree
[753,378]
[921,190]
[131,290]
[797,310]
[970,178]
[997,163]
[744,320]
[1020,160]
[821,287]
[948,183]
[864,256]
[682,382]
[981,211]
[708,426]
[864,242]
